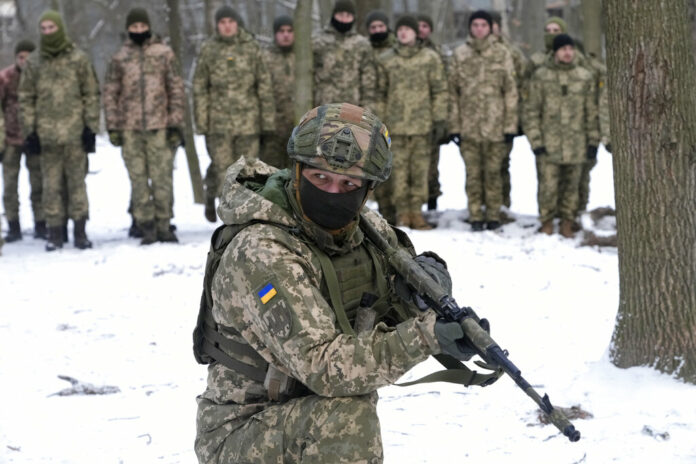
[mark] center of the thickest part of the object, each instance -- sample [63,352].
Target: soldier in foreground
[233,100]
[307,317]
[59,107]
[9,82]
[144,107]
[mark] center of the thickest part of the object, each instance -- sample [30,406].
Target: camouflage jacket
[232,87]
[143,89]
[344,69]
[383,46]
[560,112]
[484,93]
[281,65]
[412,89]
[518,60]
[9,81]
[443,51]
[296,329]
[59,96]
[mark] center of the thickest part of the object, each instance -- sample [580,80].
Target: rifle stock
[446,307]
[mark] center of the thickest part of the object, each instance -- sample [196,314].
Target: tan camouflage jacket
[281,65]
[344,69]
[412,89]
[232,88]
[518,60]
[483,90]
[9,81]
[143,89]
[561,112]
[296,329]
[59,96]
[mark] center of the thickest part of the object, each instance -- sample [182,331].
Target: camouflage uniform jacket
[444,52]
[561,112]
[281,65]
[143,89]
[9,81]
[344,69]
[484,93]
[232,88]
[296,330]
[412,89]
[59,96]
[383,46]
[518,59]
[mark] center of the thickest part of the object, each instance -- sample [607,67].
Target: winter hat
[481,14]
[137,15]
[426,19]
[227,12]
[377,15]
[561,40]
[559,21]
[56,42]
[24,45]
[408,21]
[281,21]
[346,6]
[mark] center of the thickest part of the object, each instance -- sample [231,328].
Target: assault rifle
[446,307]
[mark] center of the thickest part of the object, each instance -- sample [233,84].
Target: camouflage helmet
[345,139]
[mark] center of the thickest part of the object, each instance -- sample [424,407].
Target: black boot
[165,232]
[432,204]
[55,238]
[476,226]
[80,235]
[492,225]
[40,230]
[134,231]
[15,232]
[149,233]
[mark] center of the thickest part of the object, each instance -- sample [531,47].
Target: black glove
[539,151]
[435,267]
[439,132]
[608,148]
[456,138]
[116,138]
[509,137]
[2,155]
[175,137]
[450,336]
[89,140]
[32,144]
[591,152]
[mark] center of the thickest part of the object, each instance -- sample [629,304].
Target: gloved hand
[539,151]
[89,140]
[175,137]
[435,267]
[439,132]
[116,138]
[591,152]
[450,336]
[456,138]
[32,144]
[509,137]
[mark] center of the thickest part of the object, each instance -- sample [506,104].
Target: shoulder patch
[275,311]
[267,293]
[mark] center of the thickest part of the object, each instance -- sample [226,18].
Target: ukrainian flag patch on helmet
[267,293]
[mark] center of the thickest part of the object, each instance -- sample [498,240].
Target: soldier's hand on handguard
[435,267]
[509,137]
[456,138]
[591,152]
[32,144]
[89,140]
[116,138]
[439,132]
[450,336]
[539,151]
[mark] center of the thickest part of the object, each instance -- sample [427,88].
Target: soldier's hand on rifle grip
[449,336]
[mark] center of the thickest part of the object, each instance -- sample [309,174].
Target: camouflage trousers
[310,429]
[410,172]
[63,169]
[483,161]
[557,192]
[434,190]
[384,196]
[584,190]
[10,179]
[274,151]
[150,163]
[225,149]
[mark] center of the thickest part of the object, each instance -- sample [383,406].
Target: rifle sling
[457,373]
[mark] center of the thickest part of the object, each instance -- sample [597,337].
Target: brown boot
[566,229]
[546,227]
[418,221]
[403,220]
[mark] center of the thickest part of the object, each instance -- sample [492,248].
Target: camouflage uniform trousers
[584,189]
[150,162]
[410,172]
[225,149]
[10,177]
[434,190]
[63,169]
[274,151]
[483,161]
[557,192]
[310,429]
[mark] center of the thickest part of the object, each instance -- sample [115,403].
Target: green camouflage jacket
[560,112]
[59,96]
[518,59]
[484,92]
[412,89]
[232,88]
[384,45]
[143,89]
[282,68]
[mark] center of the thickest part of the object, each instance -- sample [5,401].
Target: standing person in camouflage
[9,82]
[554,26]
[560,120]
[301,353]
[484,116]
[344,67]
[412,96]
[144,107]
[280,61]
[233,100]
[59,107]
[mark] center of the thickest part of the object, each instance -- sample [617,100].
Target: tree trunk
[653,124]
[592,26]
[189,146]
[532,18]
[304,59]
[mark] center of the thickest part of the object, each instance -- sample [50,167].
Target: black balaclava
[331,211]
[343,6]
[138,15]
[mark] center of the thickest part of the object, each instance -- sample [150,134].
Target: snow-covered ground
[121,315]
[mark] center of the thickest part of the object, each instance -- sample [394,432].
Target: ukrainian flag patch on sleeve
[267,293]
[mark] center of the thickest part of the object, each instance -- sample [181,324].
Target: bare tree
[592,26]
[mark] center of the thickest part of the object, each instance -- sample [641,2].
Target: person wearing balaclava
[352,78]
[381,37]
[553,26]
[483,116]
[233,100]
[280,61]
[59,118]
[144,108]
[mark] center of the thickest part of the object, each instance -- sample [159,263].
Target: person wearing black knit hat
[481,14]
[377,24]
